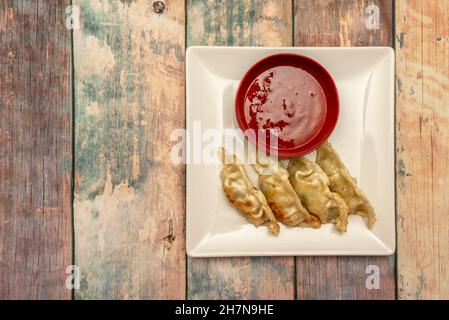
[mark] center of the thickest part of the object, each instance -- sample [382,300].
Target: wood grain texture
[35,150]
[129,198]
[422,66]
[238,23]
[341,23]
[338,23]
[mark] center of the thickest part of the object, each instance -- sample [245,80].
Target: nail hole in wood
[158,6]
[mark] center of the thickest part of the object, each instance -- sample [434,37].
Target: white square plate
[364,138]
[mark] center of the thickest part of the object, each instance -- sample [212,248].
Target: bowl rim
[299,150]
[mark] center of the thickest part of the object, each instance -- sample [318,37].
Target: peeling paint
[123,178]
[402,171]
[400,39]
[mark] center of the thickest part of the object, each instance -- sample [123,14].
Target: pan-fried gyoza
[241,192]
[282,199]
[342,183]
[312,186]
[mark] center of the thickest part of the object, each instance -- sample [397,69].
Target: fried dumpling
[241,192]
[342,183]
[283,200]
[312,186]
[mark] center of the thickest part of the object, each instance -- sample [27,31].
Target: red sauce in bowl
[287,105]
[288,102]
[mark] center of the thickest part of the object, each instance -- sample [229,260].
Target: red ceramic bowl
[324,79]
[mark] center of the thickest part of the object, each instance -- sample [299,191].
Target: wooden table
[85,120]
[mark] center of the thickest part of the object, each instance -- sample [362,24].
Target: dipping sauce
[288,102]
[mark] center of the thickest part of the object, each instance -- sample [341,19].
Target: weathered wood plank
[329,278]
[342,23]
[35,150]
[422,62]
[237,23]
[129,198]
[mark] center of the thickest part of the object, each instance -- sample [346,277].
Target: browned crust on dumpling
[283,200]
[311,222]
[311,184]
[343,184]
[250,201]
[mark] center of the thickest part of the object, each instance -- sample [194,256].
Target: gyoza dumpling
[284,201]
[343,184]
[241,192]
[312,186]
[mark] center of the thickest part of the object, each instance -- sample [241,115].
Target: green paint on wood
[105,126]
[128,196]
[237,23]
